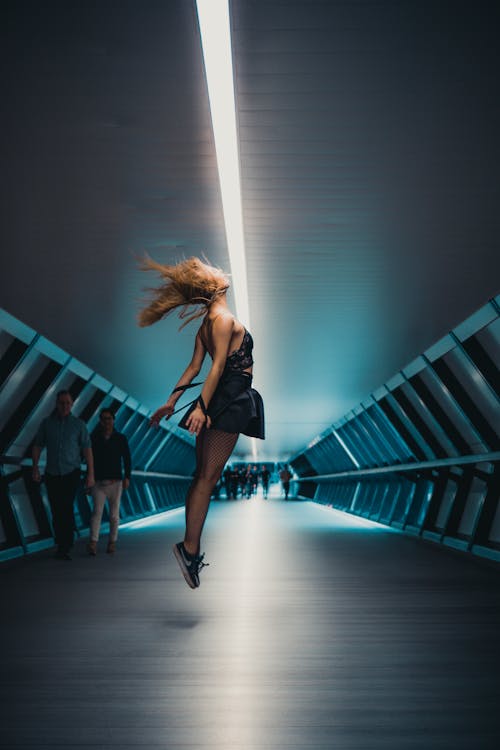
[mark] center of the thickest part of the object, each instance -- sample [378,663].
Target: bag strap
[198,400]
[185,387]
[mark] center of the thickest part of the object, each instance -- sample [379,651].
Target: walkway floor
[310,630]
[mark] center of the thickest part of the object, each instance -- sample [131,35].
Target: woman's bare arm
[187,376]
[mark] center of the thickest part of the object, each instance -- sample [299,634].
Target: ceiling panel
[363,138]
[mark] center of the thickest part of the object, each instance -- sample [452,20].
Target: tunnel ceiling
[369,156]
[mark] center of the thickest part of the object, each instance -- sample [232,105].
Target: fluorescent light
[344,446]
[213,18]
[253,443]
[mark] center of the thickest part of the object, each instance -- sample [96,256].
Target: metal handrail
[14,461]
[395,468]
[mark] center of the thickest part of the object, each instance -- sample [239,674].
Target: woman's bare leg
[213,448]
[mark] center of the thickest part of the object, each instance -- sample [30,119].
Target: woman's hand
[164,411]
[197,420]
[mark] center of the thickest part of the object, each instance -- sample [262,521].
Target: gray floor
[308,631]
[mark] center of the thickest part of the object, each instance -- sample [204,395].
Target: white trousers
[113,492]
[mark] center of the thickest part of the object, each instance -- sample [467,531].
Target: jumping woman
[227,405]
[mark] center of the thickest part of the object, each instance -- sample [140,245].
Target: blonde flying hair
[189,283]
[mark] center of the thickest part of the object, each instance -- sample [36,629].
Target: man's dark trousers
[61,490]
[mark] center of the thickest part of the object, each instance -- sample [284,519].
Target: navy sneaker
[190,565]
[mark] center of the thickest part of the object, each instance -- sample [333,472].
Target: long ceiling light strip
[213,18]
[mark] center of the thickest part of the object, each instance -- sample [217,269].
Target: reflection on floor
[308,631]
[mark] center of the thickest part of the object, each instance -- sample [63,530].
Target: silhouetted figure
[112,467]
[265,476]
[66,439]
[227,406]
[248,482]
[235,482]
[285,477]
[242,479]
[254,480]
[227,481]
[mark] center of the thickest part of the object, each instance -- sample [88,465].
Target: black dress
[235,406]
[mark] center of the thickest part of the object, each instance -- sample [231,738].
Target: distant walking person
[66,439]
[227,406]
[285,477]
[112,466]
[265,475]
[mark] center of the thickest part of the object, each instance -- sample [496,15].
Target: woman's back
[240,346]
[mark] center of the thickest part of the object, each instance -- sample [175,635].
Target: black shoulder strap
[190,403]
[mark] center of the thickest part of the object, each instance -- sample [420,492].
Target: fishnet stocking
[213,448]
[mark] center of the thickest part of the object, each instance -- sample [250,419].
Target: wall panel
[32,371]
[423,451]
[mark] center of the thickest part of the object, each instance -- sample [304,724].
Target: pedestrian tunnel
[421,454]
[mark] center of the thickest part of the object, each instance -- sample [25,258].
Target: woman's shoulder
[222,321]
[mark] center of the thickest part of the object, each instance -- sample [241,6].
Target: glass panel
[404,502]
[5,341]
[19,385]
[44,407]
[343,461]
[489,338]
[134,498]
[392,491]
[136,494]
[379,428]
[371,505]
[24,511]
[177,457]
[476,387]
[415,434]
[355,500]
[473,506]
[324,456]
[3,537]
[149,447]
[494,535]
[85,397]
[352,443]
[351,490]
[359,499]
[431,423]
[139,434]
[384,453]
[149,496]
[378,493]
[400,448]
[446,505]
[420,503]
[453,411]
[344,496]
[121,417]
[131,426]
[329,456]
[364,438]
